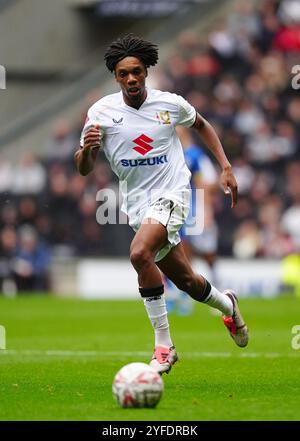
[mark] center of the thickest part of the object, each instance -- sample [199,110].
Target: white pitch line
[67,353]
[124,354]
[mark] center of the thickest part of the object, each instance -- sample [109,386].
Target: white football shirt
[142,145]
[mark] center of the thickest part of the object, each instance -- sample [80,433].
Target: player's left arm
[210,138]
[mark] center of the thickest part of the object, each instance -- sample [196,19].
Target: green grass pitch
[62,355]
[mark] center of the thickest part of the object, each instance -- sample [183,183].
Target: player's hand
[92,138]
[229,185]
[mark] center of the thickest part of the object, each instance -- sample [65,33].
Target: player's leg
[176,299]
[187,248]
[150,238]
[178,269]
[185,302]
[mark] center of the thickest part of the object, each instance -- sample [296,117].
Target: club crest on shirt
[163,117]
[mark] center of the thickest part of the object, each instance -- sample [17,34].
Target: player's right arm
[85,156]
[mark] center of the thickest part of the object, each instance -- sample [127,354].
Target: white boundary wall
[116,279]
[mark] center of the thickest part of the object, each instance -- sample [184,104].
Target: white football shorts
[170,211]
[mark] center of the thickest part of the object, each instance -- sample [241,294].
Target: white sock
[220,301]
[157,313]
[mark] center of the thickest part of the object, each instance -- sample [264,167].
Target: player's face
[131,75]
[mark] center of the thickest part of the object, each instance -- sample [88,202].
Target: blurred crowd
[239,77]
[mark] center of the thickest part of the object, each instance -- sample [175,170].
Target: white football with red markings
[137,385]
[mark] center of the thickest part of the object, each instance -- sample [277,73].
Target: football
[137,385]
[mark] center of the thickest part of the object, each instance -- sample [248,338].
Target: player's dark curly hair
[131,46]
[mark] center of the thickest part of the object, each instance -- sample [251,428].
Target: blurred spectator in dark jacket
[8,246]
[31,261]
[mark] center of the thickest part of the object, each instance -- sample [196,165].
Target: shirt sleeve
[186,112]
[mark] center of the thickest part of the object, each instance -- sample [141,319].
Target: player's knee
[140,257]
